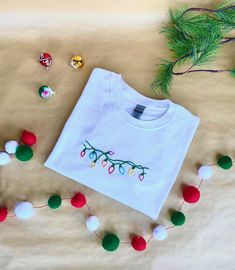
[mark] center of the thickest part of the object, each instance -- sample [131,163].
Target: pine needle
[163,78]
[232,72]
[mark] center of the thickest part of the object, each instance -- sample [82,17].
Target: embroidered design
[96,154]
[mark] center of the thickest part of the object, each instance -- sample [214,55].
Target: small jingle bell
[45,60]
[45,92]
[77,62]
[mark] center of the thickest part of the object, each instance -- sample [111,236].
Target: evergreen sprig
[194,36]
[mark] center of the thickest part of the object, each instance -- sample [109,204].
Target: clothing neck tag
[138,111]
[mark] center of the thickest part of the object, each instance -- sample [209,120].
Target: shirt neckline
[119,85]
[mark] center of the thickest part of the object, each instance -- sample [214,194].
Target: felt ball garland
[24,153]
[78,200]
[24,210]
[159,232]
[191,194]
[22,150]
[54,201]
[205,172]
[4,158]
[110,241]
[11,146]
[178,218]
[28,138]
[138,243]
[92,223]
[225,162]
[3,213]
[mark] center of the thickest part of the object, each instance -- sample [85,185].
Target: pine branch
[210,10]
[163,77]
[195,37]
[227,39]
[201,70]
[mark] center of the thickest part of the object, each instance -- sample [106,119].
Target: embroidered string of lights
[111,241]
[96,154]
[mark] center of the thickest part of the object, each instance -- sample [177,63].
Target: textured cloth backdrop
[121,36]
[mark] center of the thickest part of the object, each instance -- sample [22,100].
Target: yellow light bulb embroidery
[93,164]
[131,171]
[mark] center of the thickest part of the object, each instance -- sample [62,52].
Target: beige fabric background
[121,36]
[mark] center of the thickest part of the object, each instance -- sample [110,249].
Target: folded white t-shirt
[123,144]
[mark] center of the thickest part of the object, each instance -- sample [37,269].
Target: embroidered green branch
[96,154]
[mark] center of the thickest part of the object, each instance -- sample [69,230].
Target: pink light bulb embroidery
[104,163]
[82,153]
[141,177]
[111,169]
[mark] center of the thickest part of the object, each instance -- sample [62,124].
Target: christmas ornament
[77,62]
[205,172]
[159,232]
[225,162]
[92,223]
[54,201]
[178,218]
[10,147]
[24,153]
[191,194]
[138,243]
[3,213]
[4,158]
[110,242]
[24,210]
[45,60]
[78,200]
[45,92]
[28,138]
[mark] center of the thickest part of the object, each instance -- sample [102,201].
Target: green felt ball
[178,218]
[225,162]
[110,242]
[24,153]
[54,201]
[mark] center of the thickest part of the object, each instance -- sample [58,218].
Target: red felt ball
[3,213]
[138,243]
[191,194]
[78,200]
[28,138]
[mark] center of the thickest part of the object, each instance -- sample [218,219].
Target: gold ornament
[77,62]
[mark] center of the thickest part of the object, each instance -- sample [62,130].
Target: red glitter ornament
[78,200]
[191,194]
[3,213]
[45,60]
[28,138]
[138,243]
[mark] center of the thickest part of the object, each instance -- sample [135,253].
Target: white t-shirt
[123,144]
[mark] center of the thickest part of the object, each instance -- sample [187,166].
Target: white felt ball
[205,172]
[24,210]
[10,147]
[4,158]
[92,223]
[160,232]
